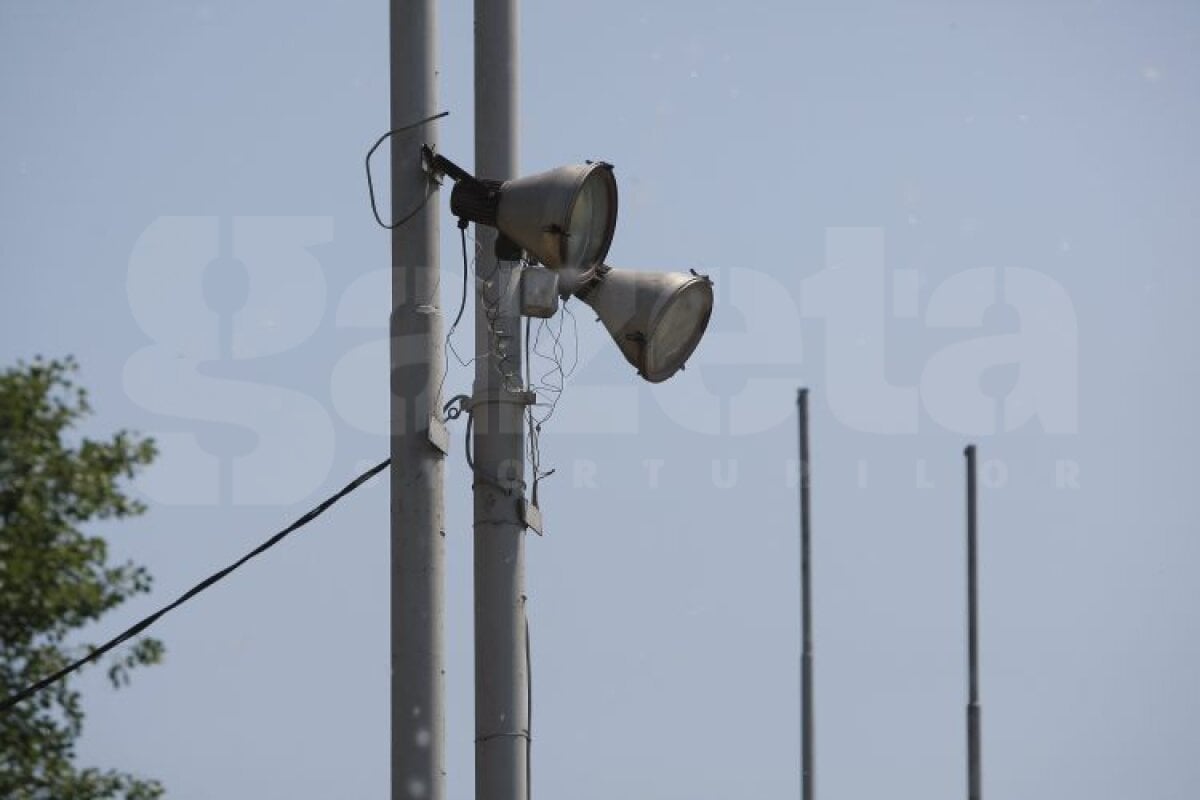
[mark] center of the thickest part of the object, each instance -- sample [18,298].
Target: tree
[55,579]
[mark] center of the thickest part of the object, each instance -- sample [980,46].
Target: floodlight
[656,318]
[563,218]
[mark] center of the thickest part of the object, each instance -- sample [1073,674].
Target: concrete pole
[501,664]
[974,757]
[416,366]
[806,655]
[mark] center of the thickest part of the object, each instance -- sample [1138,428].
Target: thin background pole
[974,757]
[806,654]
[418,756]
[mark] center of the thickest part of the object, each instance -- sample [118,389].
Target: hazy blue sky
[954,221]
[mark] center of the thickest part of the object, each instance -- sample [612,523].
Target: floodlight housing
[563,218]
[656,318]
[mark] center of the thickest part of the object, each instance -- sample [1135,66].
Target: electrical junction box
[539,292]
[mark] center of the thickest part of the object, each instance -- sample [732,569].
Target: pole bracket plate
[531,515]
[439,437]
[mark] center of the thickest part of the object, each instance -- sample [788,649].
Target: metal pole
[501,663]
[806,655]
[974,758]
[416,366]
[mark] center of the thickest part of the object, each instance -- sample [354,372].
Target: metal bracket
[439,437]
[437,165]
[531,515]
[429,164]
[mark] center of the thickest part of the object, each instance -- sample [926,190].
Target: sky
[954,222]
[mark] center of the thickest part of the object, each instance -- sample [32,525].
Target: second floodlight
[656,318]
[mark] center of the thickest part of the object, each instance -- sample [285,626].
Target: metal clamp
[527,397]
[504,735]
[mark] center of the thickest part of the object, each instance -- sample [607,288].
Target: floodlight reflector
[656,318]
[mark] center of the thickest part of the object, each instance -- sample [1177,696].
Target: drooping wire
[533,446]
[448,344]
[550,383]
[497,354]
[145,623]
[371,182]
[462,305]
[575,340]
[467,440]
[491,298]
[498,339]
[553,381]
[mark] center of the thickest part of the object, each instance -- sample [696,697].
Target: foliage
[54,579]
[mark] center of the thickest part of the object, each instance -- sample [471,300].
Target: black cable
[129,633]
[462,306]
[467,439]
[448,344]
[371,183]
